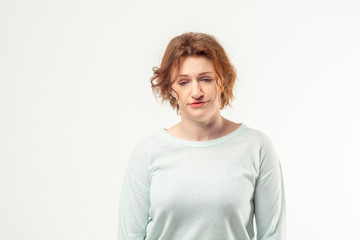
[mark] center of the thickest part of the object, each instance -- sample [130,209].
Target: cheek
[215,94]
[181,94]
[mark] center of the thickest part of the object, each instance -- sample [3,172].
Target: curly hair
[194,44]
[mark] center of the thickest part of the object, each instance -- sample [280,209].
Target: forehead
[194,65]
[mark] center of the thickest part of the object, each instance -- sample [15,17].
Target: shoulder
[148,142]
[142,151]
[260,142]
[256,136]
[268,156]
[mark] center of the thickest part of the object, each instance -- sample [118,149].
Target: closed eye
[182,83]
[206,79]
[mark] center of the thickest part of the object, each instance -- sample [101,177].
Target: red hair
[194,44]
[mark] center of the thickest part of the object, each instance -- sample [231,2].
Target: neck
[202,131]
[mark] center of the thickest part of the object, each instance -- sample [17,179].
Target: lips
[198,103]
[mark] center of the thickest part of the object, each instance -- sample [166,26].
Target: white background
[75,99]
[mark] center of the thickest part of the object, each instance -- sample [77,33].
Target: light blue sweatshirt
[176,189]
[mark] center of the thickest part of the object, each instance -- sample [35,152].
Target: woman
[206,177]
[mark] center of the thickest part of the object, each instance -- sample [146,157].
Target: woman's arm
[134,198]
[269,198]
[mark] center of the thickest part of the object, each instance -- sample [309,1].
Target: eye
[206,79]
[182,83]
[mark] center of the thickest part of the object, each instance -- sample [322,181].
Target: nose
[196,91]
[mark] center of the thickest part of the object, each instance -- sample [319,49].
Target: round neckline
[206,143]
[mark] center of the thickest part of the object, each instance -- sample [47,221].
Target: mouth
[198,103]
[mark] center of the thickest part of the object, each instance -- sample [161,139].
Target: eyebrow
[185,75]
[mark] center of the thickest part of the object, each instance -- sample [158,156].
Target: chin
[202,117]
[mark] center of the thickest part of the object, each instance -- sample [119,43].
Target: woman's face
[196,88]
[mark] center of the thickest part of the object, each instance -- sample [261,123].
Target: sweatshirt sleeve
[269,198]
[134,197]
